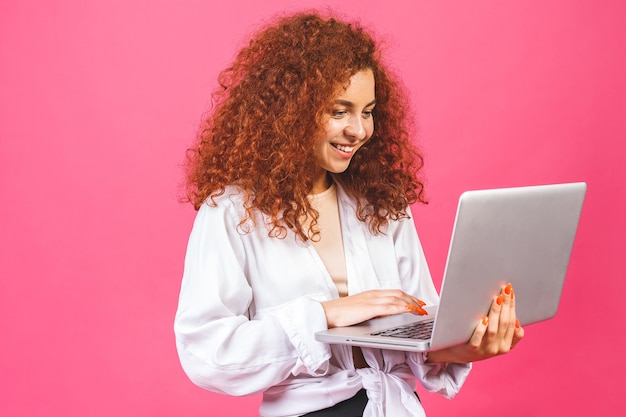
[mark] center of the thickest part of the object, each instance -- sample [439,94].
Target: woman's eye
[367,114]
[339,113]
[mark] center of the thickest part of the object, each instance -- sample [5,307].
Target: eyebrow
[350,104]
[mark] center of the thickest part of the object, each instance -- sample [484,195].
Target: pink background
[99,99]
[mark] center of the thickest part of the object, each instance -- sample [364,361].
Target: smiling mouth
[343,148]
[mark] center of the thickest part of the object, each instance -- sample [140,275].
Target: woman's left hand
[496,334]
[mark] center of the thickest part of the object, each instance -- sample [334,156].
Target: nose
[355,128]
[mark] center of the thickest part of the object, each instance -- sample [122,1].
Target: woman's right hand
[353,309]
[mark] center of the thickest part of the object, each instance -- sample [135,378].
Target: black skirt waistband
[352,407]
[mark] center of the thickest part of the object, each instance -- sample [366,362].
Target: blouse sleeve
[443,378]
[220,347]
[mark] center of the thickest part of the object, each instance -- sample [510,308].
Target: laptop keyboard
[419,330]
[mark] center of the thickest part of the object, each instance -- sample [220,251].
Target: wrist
[433,357]
[449,355]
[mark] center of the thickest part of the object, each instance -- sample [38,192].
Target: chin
[338,170]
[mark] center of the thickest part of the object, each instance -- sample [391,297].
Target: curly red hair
[272,104]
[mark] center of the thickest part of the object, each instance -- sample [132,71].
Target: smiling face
[348,125]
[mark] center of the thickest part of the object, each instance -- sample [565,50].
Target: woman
[302,176]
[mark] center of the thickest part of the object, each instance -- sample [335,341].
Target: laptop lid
[522,235]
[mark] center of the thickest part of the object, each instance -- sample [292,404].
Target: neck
[321,183]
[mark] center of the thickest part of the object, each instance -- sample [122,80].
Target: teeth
[343,148]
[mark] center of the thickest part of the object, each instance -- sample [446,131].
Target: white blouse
[249,307]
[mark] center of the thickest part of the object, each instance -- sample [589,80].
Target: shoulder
[227,207]
[232,198]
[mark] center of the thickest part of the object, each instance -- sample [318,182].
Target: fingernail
[421,303]
[517,325]
[499,299]
[512,294]
[485,320]
[508,288]
[419,310]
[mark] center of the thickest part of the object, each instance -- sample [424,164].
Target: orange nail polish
[499,299]
[410,307]
[485,320]
[517,325]
[512,294]
[508,288]
[421,303]
[422,311]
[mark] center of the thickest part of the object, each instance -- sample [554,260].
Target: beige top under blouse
[330,244]
[329,247]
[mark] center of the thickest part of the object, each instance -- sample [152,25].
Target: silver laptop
[522,235]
